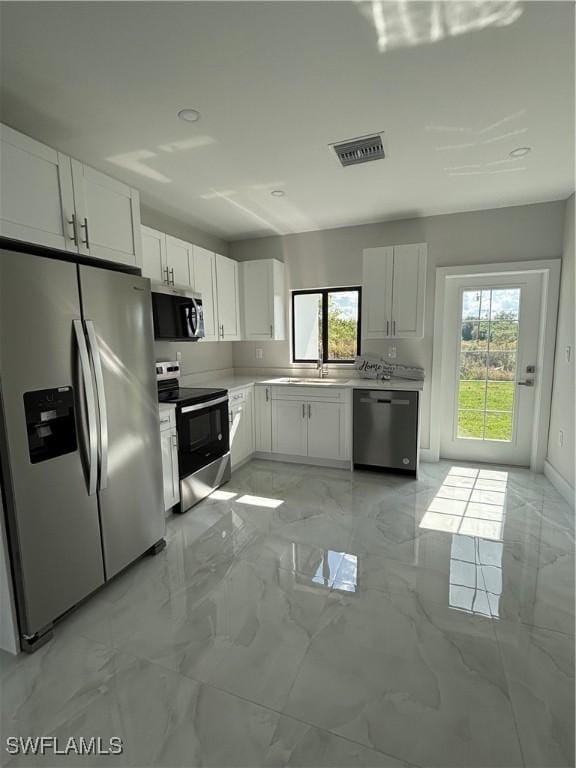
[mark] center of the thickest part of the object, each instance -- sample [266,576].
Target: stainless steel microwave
[177,313]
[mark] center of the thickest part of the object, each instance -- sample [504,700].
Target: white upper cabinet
[393,292]
[204,269]
[36,198]
[377,269]
[153,254]
[179,261]
[228,299]
[49,199]
[263,288]
[108,214]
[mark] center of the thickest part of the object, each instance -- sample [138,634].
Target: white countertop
[236,382]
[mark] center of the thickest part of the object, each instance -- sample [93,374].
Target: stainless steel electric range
[203,434]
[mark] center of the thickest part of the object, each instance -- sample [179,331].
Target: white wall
[563,395]
[334,257]
[152,218]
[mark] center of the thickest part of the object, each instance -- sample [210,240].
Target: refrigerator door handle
[102,410]
[90,406]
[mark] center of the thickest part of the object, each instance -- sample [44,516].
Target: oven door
[203,434]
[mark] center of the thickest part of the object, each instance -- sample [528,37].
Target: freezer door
[52,520]
[118,319]
[385,428]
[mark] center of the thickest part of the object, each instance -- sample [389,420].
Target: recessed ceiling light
[189,115]
[278,192]
[520,151]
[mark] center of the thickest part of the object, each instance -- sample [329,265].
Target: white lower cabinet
[240,414]
[289,427]
[262,418]
[327,430]
[312,427]
[169,445]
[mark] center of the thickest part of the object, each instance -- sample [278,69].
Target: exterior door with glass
[490,368]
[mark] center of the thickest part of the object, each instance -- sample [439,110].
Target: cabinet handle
[85,228]
[271,331]
[303,410]
[387,326]
[74,236]
[309,411]
[222,326]
[394,327]
[267,395]
[172,274]
[175,441]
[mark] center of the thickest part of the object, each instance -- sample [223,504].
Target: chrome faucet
[321,368]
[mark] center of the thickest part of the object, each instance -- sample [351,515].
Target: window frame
[324,292]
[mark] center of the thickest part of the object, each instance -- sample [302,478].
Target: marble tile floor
[303,616]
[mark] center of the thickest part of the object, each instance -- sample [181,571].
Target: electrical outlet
[567,354]
[259,353]
[392,352]
[179,357]
[560,438]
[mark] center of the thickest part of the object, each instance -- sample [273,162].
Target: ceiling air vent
[364,149]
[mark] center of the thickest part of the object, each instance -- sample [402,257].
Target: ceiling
[455,86]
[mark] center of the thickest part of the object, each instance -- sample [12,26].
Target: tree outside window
[326,325]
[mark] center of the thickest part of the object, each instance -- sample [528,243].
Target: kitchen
[243,421]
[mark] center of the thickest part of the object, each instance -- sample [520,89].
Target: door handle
[90,405]
[85,228]
[102,408]
[74,236]
[527,383]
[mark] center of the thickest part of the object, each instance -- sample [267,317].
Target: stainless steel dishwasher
[385,429]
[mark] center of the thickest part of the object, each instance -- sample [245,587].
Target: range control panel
[50,423]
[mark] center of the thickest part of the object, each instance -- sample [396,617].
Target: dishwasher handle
[371,401]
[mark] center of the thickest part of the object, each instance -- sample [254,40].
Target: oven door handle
[206,404]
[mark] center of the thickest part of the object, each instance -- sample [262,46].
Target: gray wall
[334,257]
[157,220]
[563,394]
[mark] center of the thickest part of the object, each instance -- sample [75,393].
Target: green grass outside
[492,396]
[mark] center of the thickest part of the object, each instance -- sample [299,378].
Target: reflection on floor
[312,617]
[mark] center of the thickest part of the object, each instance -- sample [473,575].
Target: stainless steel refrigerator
[80,442]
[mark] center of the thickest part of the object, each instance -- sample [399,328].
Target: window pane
[471,305]
[307,326]
[473,366]
[498,426]
[501,366]
[471,424]
[472,394]
[505,304]
[500,396]
[342,325]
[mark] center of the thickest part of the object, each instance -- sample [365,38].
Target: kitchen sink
[317,381]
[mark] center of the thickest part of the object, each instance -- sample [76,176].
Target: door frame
[549,269]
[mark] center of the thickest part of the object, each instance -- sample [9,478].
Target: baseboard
[332,463]
[562,486]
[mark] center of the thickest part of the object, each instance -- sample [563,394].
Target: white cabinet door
[37,202]
[205,283]
[377,278]
[408,291]
[153,254]
[241,428]
[262,418]
[178,261]
[170,481]
[290,427]
[263,299]
[108,216]
[326,430]
[228,298]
